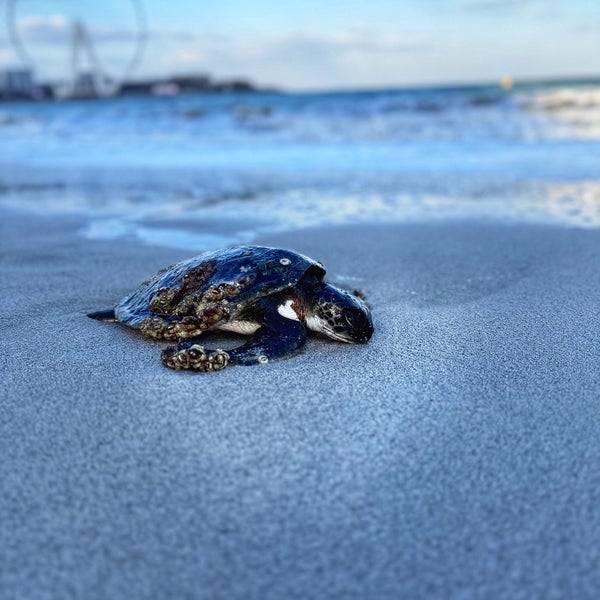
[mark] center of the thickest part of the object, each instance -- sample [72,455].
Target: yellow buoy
[506,82]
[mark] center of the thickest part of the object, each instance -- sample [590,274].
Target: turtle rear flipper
[103,315]
[278,337]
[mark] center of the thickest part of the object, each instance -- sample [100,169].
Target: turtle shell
[226,282]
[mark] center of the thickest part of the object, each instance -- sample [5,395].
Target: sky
[317,44]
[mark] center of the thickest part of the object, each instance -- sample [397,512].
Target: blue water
[200,171]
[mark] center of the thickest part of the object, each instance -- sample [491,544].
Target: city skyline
[309,45]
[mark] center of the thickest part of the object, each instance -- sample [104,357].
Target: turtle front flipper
[194,357]
[277,338]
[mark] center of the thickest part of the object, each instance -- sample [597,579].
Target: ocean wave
[440,101]
[551,203]
[8,120]
[565,98]
[198,209]
[565,112]
[182,129]
[233,166]
[192,112]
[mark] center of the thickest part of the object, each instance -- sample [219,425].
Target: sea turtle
[272,294]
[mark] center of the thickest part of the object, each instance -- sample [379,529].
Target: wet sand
[455,456]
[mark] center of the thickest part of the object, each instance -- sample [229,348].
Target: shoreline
[452,455]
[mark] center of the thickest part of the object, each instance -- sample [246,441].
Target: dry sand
[455,456]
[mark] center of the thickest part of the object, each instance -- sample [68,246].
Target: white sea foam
[566,204]
[566,98]
[569,112]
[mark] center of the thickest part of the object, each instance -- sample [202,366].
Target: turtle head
[339,315]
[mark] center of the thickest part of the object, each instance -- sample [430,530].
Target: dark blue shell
[264,271]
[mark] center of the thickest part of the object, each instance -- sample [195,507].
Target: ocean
[203,171]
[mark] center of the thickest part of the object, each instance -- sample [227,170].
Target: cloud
[294,59]
[477,4]
[358,40]
[6,57]
[296,45]
[51,28]
[56,29]
[528,8]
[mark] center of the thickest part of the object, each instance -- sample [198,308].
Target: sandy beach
[454,456]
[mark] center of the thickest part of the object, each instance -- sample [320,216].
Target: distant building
[184,84]
[16,83]
[136,88]
[235,85]
[165,89]
[192,83]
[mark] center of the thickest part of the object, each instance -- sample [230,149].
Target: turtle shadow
[224,340]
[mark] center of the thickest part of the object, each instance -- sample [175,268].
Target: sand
[455,456]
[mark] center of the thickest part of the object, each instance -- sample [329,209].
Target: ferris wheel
[91,50]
